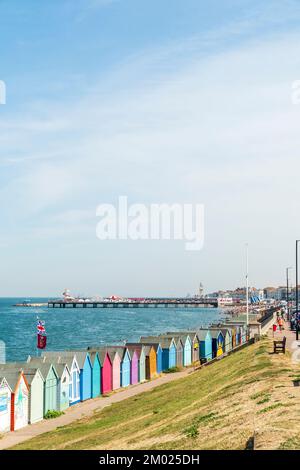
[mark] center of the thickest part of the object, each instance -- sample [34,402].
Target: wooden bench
[279,346]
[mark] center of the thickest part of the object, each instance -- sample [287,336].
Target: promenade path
[86,409]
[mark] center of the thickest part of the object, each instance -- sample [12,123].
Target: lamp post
[247,283]
[297,294]
[287,291]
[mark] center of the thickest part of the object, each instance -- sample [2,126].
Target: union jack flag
[41,327]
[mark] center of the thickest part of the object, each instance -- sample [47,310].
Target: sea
[80,328]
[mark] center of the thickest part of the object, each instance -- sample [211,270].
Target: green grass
[195,412]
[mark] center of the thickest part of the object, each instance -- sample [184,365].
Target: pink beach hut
[115,357]
[106,371]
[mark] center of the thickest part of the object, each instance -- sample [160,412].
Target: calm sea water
[78,328]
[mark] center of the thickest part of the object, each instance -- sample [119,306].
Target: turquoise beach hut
[96,376]
[205,345]
[194,339]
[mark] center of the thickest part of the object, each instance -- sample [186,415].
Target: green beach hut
[51,384]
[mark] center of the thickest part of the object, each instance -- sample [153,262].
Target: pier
[151,303]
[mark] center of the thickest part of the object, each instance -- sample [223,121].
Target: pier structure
[149,303]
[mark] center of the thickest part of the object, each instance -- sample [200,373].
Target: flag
[41,327]
[41,341]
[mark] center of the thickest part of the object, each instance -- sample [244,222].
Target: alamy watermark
[2,92]
[152,222]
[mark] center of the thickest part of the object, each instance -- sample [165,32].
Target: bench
[279,346]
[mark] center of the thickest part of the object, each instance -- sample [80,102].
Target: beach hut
[19,399]
[194,339]
[96,374]
[146,340]
[106,371]
[140,350]
[205,341]
[217,342]
[134,366]
[114,369]
[63,389]
[65,357]
[35,383]
[125,368]
[86,374]
[51,382]
[187,347]
[168,346]
[115,357]
[226,335]
[5,404]
[151,366]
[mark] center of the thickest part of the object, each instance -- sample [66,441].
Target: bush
[51,414]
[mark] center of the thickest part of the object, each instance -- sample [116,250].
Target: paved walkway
[289,334]
[85,409]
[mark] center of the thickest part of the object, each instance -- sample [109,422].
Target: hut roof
[189,333]
[29,371]
[93,356]
[80,356]
[164,340]
[202,334]
[178,336]
[215,333]
[60,357]
[44,367]
[102,352]
[12,377]
[140,348]
[155,345]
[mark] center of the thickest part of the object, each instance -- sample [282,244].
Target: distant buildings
[238,295]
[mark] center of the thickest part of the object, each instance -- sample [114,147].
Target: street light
[247,282]
[287,290]
[297,301]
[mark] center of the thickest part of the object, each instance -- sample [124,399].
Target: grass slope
[219,407]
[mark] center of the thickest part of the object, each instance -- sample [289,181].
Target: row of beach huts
[59,379]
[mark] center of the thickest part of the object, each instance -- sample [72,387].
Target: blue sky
[162,101]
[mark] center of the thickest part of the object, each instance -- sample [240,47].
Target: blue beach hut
[205,349]
[86,374]
[217,343]
[168,353]
[125,368]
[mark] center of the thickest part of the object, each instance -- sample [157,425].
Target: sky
[163,102]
